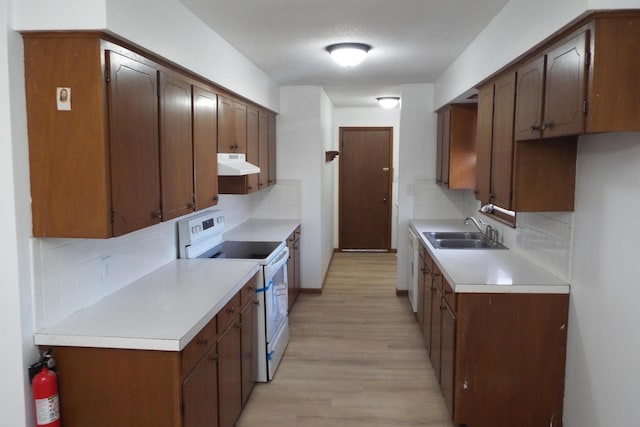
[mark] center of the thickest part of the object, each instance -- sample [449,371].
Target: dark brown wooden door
[229,375]
[272,150]
[176,146]
[502,150]
[205,147]
[263,149]
[252,150]
[484,143]
[365,188]
[565,88]
[200,393]
[135,162]
[529,100]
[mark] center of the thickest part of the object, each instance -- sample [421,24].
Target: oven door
[276,293]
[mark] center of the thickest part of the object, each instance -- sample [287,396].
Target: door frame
[389,185]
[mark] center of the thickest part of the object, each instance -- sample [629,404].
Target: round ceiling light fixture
[388,101]
[348,54]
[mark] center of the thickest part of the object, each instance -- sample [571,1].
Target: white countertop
[262,230]
[486,270]
[163,310]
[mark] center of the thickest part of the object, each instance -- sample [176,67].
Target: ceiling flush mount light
[388,101]
[348,54]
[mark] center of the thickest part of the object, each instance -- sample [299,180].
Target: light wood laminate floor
[355,357]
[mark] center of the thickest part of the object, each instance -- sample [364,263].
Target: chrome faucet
[490,233]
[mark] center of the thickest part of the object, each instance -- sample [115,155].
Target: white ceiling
[413,41]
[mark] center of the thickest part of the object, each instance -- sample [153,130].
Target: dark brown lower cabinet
[499,357]
[200,393]
[204,385]
[229,375]
[293,266]
[248,343]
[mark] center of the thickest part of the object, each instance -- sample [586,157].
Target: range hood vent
[235,164]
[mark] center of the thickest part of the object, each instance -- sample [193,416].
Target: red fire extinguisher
[45,394]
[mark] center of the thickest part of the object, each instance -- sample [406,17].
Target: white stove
[200,236]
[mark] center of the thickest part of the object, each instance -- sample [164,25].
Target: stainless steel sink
[460,240]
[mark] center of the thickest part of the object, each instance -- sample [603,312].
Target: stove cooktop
[242,250]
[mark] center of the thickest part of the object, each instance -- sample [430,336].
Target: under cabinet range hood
[235,164]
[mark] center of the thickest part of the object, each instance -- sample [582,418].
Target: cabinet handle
[256,302]
[216,198]
[232,310]
[270,181]
[213,357]
[534,128]
[157,214]
[203,341]
[547,125]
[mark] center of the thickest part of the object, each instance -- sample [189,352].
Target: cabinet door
[565,89]
[249,339]
[429,291]
[229,375]
[272,150]
[502,149]
[439,148]
[200,393]
[447,354]
[484,142]
[529,100]
[135,163]
[263,149]
[443,149]
[226,127]
[205,147]
[176,149]
[240,127]
[296,262]
[252,143]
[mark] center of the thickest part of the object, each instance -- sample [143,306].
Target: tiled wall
[70,274]
[544,238]
[283,201]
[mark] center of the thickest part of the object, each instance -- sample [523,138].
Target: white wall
[164,27]
[368,117]
[416,159]
[328,183]
[603,346]
[302,137]
[15,289]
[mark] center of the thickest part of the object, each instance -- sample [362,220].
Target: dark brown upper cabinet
[232,126]
[176,147]
[456,147]
[205,147]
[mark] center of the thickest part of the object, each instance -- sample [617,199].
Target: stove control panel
[204,225]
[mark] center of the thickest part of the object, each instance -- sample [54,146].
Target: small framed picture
[63,98]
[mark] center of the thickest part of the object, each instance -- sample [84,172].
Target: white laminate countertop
[262,230]
[486,270]
[163,310]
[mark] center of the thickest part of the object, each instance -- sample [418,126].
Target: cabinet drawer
[198,346]
[228,313]
[449,295]
[248,291]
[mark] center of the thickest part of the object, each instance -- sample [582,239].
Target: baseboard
[310,291]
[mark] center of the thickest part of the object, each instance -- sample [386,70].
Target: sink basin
[460,240]
[439,235]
